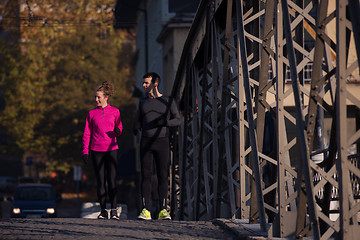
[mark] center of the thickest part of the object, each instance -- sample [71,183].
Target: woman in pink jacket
[103,125]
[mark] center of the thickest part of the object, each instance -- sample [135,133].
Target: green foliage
[48,78]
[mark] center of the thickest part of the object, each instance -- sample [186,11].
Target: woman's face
[100,99]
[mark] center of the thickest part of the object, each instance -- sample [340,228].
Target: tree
[66,49]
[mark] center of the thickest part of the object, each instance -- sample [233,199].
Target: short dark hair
[154,76]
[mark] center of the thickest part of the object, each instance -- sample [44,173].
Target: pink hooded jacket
[99,127]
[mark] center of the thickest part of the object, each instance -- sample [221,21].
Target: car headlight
[16,210]
[50,210]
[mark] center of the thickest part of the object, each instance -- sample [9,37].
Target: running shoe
[113,214]
[103,214]
[164,215]
[145,215]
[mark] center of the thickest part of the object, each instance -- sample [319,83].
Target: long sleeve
[118,123]
[99,133]
[174,116]
[156,115]
[87,135]
[137,123]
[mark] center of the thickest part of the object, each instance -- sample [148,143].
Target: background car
[34,201]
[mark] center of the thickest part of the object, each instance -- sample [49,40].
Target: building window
[307,70]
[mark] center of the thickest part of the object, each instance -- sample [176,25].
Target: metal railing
[232,113]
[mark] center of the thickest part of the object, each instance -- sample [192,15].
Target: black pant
[154,149]
[105,166]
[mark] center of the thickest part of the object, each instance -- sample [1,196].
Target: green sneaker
[164,215]
[145,215]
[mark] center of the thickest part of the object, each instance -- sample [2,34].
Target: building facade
[161,28]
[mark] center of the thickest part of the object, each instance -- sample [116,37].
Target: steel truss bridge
[246,147]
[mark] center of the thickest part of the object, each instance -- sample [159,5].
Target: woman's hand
[85,158]
[117,131]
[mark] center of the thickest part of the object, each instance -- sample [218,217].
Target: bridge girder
[244,69]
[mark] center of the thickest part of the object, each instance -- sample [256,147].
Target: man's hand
[136,128]
[85,158]
[160,121]
[135,131]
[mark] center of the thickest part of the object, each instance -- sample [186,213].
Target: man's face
[148,85]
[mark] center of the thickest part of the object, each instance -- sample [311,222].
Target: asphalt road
[69,225]
[78,228]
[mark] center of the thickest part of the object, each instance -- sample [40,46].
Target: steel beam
[221,148]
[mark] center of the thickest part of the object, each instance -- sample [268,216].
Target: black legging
[154,149]
[105,166]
